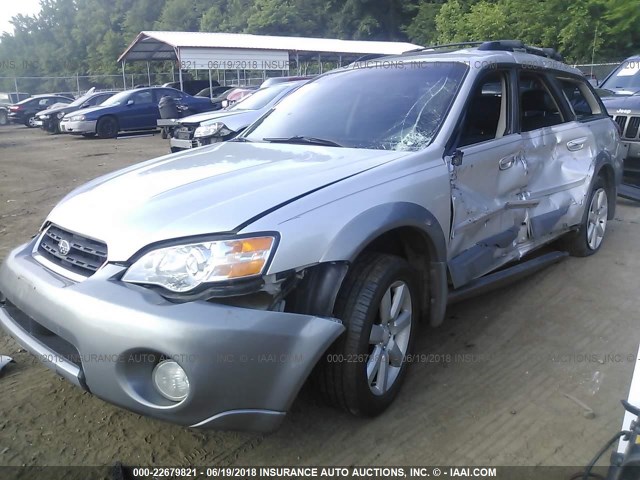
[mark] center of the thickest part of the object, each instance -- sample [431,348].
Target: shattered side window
[383,106]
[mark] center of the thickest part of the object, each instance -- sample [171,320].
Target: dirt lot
[490,391]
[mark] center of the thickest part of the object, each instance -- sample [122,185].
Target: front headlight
[43,117]
[184,267]
[218,129]
[78,118]
[60,115]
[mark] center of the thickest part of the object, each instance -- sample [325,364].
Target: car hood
[207,190]
[622,104]
[205,116]
[237,120]
[56,110]
[99,109]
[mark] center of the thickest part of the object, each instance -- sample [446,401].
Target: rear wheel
[30,122]
[4,118]
[107,127]
[379,306]
[588,239]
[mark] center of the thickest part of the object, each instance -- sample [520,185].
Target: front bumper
[245,366]
[632,159]
[79,128]
[178,144]
[48,124]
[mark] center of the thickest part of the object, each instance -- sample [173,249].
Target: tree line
[87,36]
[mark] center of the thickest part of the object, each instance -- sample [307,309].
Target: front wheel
[379,305]
[4,118]
[107,127]
[588,239]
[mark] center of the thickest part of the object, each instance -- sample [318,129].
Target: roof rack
[498,45]
[445,45]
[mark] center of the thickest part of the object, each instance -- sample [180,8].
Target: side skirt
[505,276]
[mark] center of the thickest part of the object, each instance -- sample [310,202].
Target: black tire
[164,133]
[4,118]
[107,127]
[578,243]
[342,376]
[29,122]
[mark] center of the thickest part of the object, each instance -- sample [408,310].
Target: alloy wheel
[389,338]
[597,220]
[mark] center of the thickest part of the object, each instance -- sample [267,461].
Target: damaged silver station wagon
[204,288]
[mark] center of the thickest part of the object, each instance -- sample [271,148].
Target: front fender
[352,239]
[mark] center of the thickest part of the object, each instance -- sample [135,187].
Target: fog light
[171,380]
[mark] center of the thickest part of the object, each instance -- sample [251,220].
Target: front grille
[632,128]
[184,133]
[621,120]
[84,257]
[629,126]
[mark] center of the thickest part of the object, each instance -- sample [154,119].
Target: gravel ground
[491,389]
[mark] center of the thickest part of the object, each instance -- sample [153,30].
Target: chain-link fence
[77,84]
[597,71]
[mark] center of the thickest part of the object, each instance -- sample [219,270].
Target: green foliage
[572,28]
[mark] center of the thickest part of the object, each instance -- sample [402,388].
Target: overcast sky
[10,8]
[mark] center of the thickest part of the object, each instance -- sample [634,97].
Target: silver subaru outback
[205,288]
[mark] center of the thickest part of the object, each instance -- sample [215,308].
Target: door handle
[576,144]
[507,162]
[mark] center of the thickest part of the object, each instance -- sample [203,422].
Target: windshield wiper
[240,139]
[304,140]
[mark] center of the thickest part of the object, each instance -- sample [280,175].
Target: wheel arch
[404,229]
[605,170]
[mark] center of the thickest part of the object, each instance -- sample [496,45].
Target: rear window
[384,107]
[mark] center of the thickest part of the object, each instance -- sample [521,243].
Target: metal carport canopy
[202,50]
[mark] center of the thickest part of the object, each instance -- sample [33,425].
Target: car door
[488,177]
[43,103]
[140,111]
[559,151]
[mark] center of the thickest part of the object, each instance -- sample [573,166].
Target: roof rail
[519,46]
[445,45]
[497,45]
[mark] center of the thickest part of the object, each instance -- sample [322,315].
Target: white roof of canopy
[152,46]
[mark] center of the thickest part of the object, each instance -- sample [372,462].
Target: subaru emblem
[64,247]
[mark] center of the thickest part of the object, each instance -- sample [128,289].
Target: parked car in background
[25,111]
[192,86]
[49,119]
[620,93]
[214,91]
[275,80]
[7,99]
[235,95]
[207,128]
[319,241]
[10,98]
[128,111]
